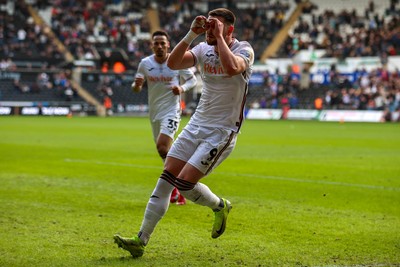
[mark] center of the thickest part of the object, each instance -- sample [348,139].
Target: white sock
[155,209]
[202,195]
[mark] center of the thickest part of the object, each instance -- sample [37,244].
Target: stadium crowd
[342,35]
[348,33]
[21,38]
[86,28]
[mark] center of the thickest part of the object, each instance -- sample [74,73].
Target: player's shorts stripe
[242,108]
[220,152]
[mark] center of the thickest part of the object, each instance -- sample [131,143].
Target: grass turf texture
[303,194]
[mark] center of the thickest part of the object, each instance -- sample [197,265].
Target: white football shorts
[168,125]
[203,147]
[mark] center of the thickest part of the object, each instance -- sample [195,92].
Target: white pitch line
[114,164]
[281,178]
[311,181]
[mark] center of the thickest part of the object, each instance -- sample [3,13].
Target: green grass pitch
[303,194]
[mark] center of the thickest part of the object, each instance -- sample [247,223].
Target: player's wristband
[189,37]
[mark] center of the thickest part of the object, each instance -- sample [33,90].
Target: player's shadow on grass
[114,261]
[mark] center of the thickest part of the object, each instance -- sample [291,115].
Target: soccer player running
[210,136]
[164,91]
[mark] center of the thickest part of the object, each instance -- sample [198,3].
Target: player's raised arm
[180,57]
[232,64]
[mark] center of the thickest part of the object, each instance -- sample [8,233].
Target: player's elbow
[235,67]
[232,71]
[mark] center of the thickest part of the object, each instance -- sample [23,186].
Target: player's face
[210,38]
[160,46]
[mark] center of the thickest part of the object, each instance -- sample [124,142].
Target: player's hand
[216,26]
[137,84]
[176,90]
[199,25]
[139,81]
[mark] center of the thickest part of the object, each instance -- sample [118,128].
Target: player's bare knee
[162,151]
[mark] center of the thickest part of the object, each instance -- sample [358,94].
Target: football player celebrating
[210,136]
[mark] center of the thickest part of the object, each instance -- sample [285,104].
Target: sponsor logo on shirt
[212,69]
[164,79]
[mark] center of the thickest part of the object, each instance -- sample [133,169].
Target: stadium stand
[343,30]
[99,42]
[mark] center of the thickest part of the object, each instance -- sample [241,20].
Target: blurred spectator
[68,92]
[43,81]
[107,102]
[104,87]
[7,64]
[119,67]
[285,106]
[348,33]
[293,101]
[318,103]
[21,87]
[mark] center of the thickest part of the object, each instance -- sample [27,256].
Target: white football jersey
[160,79]
[223,98]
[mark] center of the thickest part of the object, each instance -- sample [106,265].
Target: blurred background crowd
[86,52]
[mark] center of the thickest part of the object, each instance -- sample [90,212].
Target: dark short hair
[160,33]
[228,15]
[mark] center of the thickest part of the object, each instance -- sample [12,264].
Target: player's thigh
[170,125]
[155,128]
[185,144]
[217,144]
[164,140]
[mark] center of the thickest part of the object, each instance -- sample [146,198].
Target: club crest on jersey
[245,53]
[209,54]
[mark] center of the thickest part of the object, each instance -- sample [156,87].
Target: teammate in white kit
[164,95]
[210,136]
